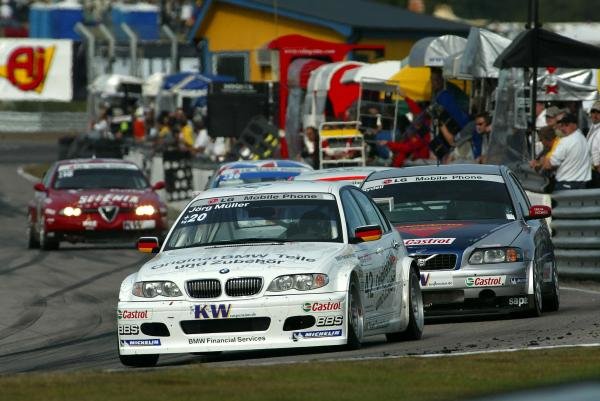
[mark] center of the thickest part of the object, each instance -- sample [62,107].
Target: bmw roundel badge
[224,271]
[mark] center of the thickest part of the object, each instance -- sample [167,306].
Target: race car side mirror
[148,245]
[158,185]
[539,212]
[40,187]
[367,233]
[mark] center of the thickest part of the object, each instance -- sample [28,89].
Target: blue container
[141,18]
[64,17]
[39,21]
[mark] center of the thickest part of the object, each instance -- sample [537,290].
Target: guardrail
[60,122]
[576,228]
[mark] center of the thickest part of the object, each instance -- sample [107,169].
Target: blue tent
[192,85]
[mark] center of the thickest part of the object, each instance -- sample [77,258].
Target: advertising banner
[36,69]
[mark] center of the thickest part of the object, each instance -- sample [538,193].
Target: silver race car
[279,265]
[480,245]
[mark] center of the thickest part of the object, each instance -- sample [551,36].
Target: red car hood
[91,198]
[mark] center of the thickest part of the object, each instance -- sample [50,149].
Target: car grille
[242,287]
[234,287]
[204,288]
[225,325]
[442,261]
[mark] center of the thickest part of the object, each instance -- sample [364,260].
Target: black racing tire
[139,361]
[46,244]
[538,299]
[416,317]
[32,241]
[354,318]
[551,301]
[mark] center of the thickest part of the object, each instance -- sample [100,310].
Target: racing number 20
[193,218]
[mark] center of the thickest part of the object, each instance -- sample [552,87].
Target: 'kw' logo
[212,311]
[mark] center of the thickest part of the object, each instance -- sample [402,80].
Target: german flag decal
[147,245]
[368,233]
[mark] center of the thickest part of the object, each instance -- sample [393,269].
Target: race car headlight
[300,282]
[70,211]
[145,210]
[495,255]
[152,289]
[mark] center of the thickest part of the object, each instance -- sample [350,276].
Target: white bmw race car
[276,265]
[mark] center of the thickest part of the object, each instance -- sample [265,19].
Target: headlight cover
[300,282]
[145,210]
[153,289]
[70,211]
[496,255]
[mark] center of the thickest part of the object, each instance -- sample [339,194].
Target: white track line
[27,176]
[580,290]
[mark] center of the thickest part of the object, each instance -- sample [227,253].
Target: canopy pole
[533,24]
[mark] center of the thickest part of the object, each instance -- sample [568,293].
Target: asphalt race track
[58,308]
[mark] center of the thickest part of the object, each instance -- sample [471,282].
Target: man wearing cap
[571,158]
[553,114]
[593,138]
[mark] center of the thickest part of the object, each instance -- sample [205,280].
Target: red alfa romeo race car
[102,200]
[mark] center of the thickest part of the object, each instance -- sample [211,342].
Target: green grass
[406,379]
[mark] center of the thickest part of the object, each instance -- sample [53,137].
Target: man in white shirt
[593,139]
[571,158]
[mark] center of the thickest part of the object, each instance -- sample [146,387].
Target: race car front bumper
[161,327]
[484,289]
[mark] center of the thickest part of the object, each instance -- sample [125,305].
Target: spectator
[310,147]
[593,138]
[139,126]
[549,141]
[571,157]
[481,138]
[553,115]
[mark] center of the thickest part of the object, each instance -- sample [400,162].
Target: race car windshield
[241,222]
[449,200]
[103,178]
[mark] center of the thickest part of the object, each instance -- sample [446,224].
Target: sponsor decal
[256,258]
[436,280]
[332,320]
[129,329]
[490,281]
[220,311]
[518,301]
[108,198]
[322,306]
[227,340]
[426,230]
[89,224]
[518,280]
[377,324]
[428,241]
[153,342]
[316,334]
[134,314]
[435,178]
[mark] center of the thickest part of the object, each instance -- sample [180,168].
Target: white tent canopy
[320,79]
[432,51]
[482,49]
[381,71]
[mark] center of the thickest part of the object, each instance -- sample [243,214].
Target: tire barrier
[178,175]
[259,140]
[576,232]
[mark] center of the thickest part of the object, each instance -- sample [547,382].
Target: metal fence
[46,122]
[576,227]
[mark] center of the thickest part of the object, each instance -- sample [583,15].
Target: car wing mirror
[148,245]
[40,187]
[158,185]
[367,233]
[539,212]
